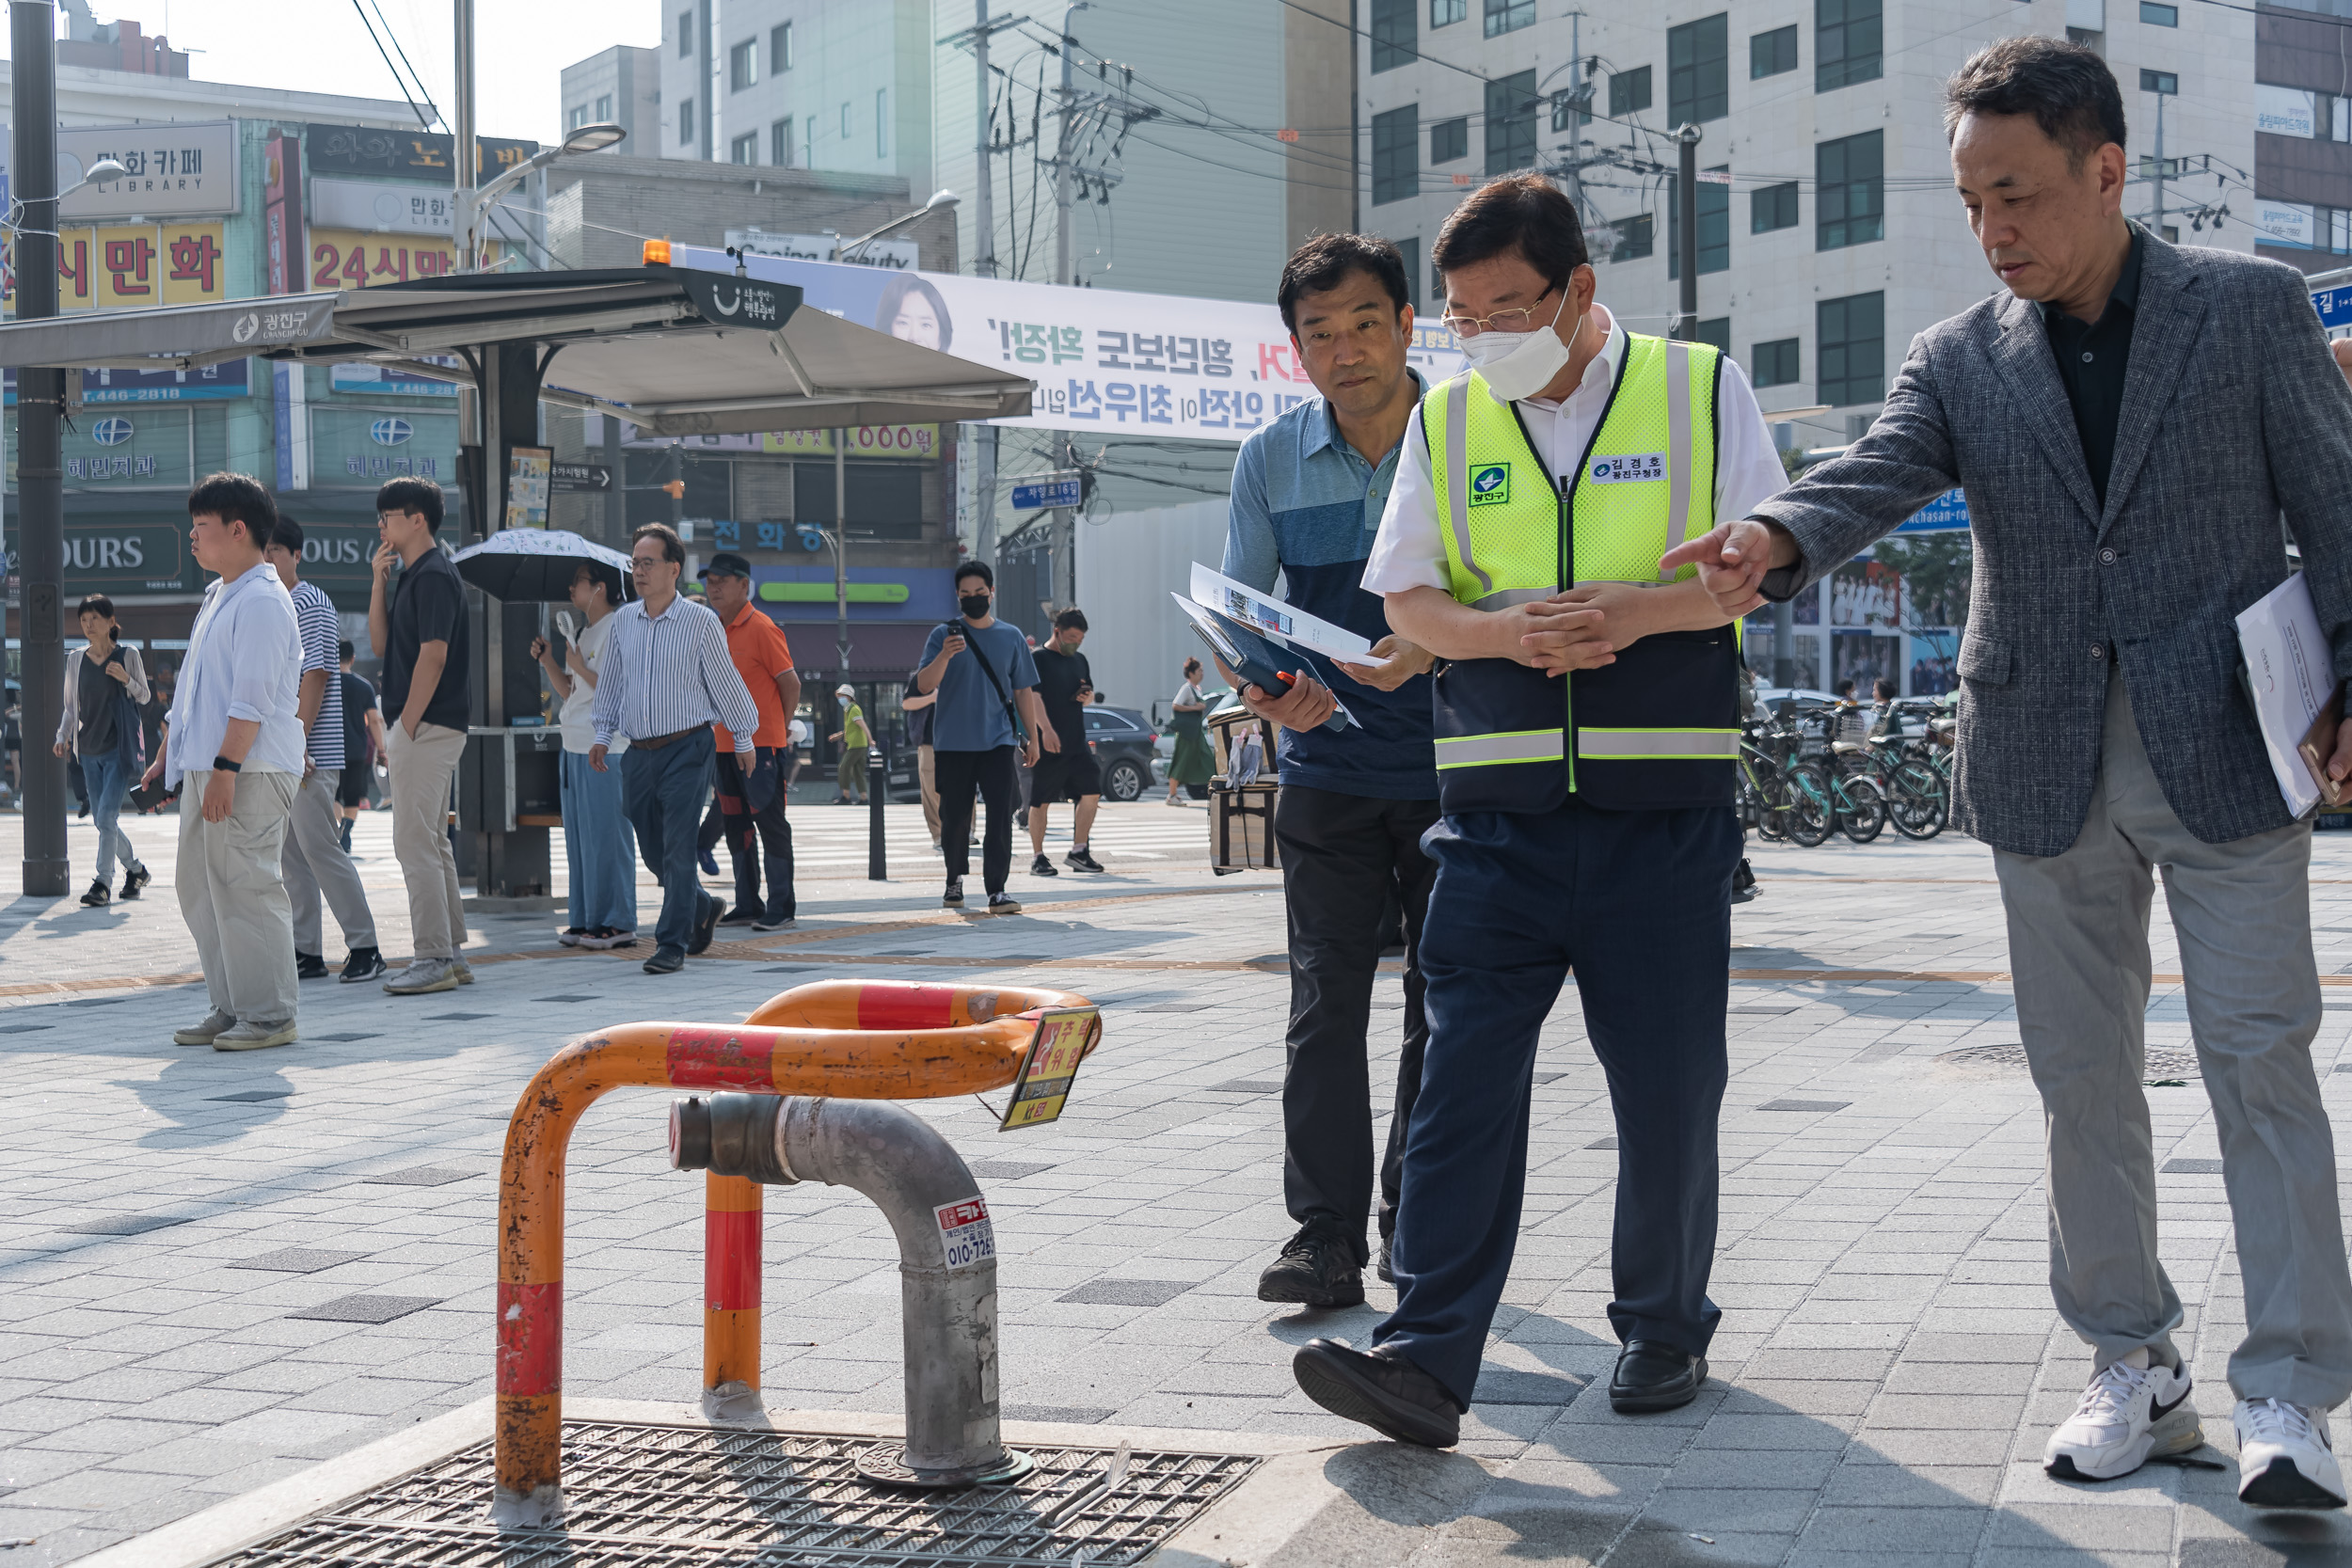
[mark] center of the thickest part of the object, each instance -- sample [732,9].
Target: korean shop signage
[404,154]
[170,170]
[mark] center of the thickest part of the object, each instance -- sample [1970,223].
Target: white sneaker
[2285,1458]
[422,976]
[2126,1414]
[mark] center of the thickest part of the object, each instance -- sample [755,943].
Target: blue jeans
[664,791]
[597,847]
[108,781]
[1640,903]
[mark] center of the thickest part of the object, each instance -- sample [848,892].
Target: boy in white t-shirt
[597,845]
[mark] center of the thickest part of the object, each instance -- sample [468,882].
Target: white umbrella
[537,565]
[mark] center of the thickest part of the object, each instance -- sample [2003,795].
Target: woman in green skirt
[1192,764]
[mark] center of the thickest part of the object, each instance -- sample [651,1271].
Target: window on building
[1715,330]
[780,144]
[1715,205]
[1392,35]
[1629,93]
[1846,43]
[1445,13]
[882,122]
[2300,225]
[686,35]
[809,144]
[2165,82]
[742,65]
[2092,39]
[1850,191]
[1411,250]
[685,122]
[1633,238]
[1697,71]
[1773,364]
[1449,139]
[1395,152]
[780,49]
[1771,207]
[1509,16]
[1511,122]
[604,108]
[2155,15]
[575,116]
[744,148]
[1851,333]
[1572,107]
[1771,54]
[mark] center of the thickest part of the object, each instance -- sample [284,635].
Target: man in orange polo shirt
[754,805]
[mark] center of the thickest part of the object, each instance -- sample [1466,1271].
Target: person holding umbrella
[599,850]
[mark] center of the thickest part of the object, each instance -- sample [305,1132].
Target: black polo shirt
[2092,360]
[428,605]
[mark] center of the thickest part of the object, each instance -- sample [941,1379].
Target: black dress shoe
[1318,1268]
[665,961]
[707,925]
[1654,1375]
[1384,1267]
[1384,1391]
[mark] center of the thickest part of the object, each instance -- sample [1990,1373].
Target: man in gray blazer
[2129,421]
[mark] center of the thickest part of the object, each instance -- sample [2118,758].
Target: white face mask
[1518,365]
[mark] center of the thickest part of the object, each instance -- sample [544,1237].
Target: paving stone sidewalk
[217,1269]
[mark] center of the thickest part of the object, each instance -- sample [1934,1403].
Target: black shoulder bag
[1020,733]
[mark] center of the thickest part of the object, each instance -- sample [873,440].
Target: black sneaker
[1003,903]
[1082,858]
[953,897]
[99,895]
[1380,1388]
[1743,884]
[1318,1268]
[666,961]
[773,922]
[1043,867]
[707,925]
[1382,1266]
[133,881]
[365,964]
[310,966]
[742,914]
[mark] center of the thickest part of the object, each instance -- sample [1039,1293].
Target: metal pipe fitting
[946,1257]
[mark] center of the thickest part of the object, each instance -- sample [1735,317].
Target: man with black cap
[752,803]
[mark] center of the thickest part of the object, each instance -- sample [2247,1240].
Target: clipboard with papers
[1258,661]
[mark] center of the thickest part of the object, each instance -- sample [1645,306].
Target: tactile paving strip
[2159,1064]
[644,1495]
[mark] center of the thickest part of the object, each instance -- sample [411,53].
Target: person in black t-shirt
[1065,685]
[363,739]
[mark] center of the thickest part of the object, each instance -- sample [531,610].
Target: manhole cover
[640,1495]
[2160,1064]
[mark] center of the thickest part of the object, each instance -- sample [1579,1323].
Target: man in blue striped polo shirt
[1309,490]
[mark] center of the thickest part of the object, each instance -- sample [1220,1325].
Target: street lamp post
[473,205]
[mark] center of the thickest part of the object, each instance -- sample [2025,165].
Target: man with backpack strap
[988,710]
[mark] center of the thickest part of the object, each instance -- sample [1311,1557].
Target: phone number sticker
[965,1233]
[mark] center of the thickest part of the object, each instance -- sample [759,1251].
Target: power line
[397,80]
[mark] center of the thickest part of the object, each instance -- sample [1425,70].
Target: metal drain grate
[641,1495]
[2160,1064]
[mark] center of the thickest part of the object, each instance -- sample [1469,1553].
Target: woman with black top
[99,726]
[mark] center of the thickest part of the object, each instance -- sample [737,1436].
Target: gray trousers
[2078,950]
[317,864]
[234,897]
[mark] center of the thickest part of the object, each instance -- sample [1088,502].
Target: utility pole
[841,552]
[1065,156]
[1687,216]
[1065,580]
[462,160]
[984,213]
[41,473]
[2158,227]
[1575,113]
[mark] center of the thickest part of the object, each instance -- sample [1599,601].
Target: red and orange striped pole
[731,1221]
[877,1041]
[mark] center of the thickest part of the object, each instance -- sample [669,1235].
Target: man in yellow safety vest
[1587,731]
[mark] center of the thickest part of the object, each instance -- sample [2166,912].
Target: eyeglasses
[1522,320]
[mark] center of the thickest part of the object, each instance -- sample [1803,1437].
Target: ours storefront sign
[118,554]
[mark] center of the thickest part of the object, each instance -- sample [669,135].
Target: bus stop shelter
[673,351]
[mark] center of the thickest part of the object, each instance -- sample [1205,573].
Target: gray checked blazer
[2234,413]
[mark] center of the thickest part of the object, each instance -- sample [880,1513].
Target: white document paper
[1271,617]
[2291,673]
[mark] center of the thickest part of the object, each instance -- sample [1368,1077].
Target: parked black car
[1121,739]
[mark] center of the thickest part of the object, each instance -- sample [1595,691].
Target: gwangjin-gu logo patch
[1490,483]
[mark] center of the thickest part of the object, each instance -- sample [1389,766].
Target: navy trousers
[1639,904]
[662,792]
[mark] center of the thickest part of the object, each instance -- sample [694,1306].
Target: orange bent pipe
[855,1039]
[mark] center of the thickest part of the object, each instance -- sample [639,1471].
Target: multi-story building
[2303,133]
[1828,232]
[620,87]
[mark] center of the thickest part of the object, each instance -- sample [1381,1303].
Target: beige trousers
[423,771]
[927,772]
[235,899]
[317,864]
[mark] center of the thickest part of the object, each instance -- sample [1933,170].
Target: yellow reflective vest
[1659,727]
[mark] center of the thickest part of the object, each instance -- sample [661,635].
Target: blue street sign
[2334,306]
[1947,512]
[1031,495]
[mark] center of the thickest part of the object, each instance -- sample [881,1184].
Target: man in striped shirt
[666,679]
[316,862]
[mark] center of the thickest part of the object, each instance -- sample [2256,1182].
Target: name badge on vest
[1633,469]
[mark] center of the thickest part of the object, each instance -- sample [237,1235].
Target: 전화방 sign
[1062,1039]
